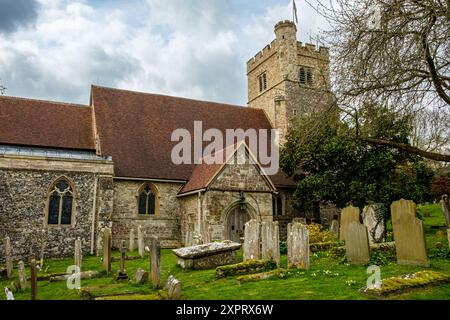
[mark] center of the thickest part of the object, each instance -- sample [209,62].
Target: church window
[277,203]
[147,200]
[60,204]
[306,76]
[262,82]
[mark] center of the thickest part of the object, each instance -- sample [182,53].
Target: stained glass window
[147,202]
[60,203]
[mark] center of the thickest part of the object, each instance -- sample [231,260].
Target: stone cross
[122,275]
[131,247]
[78,253]
[155,262]
[8,257]
[33,279]
[348,215]
[251,240]
[409,234]
[357,248]
[173,288]
[107,249]
[22,276]
[334,228]
[141,242]
[270,241]
[298,246]
[374,225]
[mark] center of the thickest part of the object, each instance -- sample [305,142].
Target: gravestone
[131,244]
[141,276]
[348,215]
[22,276]
[446,209]
[155,262]
[33,279]
[122,275]
[9,294]
[301,220]
[409,234]
[8,258]
[374,224]
[334,228]
[357,248]
[270,241]
[298,246]
[251,241]
[173,288]
[141,242]
[78,253]
[107,249]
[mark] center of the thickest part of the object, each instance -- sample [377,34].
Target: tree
[330,165]
[439,187]
[396,54]
[2,89]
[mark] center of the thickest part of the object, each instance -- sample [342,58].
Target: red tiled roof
[135,129]
[45,124]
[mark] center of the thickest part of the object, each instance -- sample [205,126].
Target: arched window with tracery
[148,200]
[60,203]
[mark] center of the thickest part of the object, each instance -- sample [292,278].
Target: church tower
[288,79]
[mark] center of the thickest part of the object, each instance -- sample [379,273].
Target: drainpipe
[94,209]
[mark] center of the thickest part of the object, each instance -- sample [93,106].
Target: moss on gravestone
[246,267]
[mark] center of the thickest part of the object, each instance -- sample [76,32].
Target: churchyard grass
[328,277]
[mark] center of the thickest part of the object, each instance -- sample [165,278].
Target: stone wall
[165,224]
[24,186]
[289,212]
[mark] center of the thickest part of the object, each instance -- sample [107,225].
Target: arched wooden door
[236,221]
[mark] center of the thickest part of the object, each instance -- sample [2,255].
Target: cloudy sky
[55,49]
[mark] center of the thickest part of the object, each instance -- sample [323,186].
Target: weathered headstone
[33,279]
[173,288]
[155,262]
[334,228]
[141,247]
[374,224]
[131,244]
[107,249]
[78,253]
[8,258]
[251,240]
[270,241]
[357,248]
[301,220]
[122,275]
[298,246]
[9,294]
[409,234]
[348,215]
[446,209]
[22,276]
[141,276]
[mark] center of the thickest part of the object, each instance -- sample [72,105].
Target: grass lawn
[328,278]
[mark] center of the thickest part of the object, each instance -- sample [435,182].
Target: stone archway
[237,215]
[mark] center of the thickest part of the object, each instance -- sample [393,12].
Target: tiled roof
[39,123]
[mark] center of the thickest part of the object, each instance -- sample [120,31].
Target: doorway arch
[236,216]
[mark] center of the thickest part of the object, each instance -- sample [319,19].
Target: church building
[67,170]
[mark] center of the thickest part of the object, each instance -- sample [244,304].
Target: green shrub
[283,247]
[246,267]
[442,253]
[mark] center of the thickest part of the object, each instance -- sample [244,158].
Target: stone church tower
[288,79]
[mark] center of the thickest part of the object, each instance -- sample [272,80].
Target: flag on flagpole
[294,12]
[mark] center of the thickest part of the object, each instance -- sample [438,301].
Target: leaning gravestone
[173,288]
[78,253]
[357,248]
[33,279]
[334,228]
[141,247]
[374,224]
[107,249]
[155,262]
[22,276]
[298,246]
[409,234]
[141,276]
[131,243]
[270,241]
[251,241]
[348,215]
[8,258]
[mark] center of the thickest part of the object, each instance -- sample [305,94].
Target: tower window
[306,76]
[262,79]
